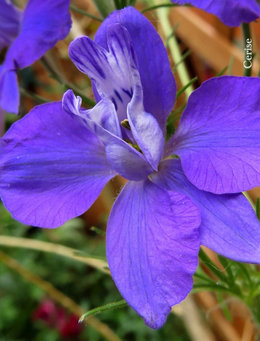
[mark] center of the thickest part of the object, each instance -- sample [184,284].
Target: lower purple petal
[229,225]
[52,167]
[152,248]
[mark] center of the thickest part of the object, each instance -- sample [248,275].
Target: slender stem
[247,39]
[86,14]
[2,122]
[57,295]
[34,96]
[117,4]
[105,7]
[162,14]
[57,249]
[106,307]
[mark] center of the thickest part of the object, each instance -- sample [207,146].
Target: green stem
[106,307]
[2,122]
[34,96]
[105,7]
[247,40]
[162,14]
[86,14]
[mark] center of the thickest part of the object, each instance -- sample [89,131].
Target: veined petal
[145,128]
[116,77]
[231,12]
[218,139]
[157,80]
[43,24]
[10,19]
[51,167]
[229,224]
[123,158]
[152,248]
[111,71]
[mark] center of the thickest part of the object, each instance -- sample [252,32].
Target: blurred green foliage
[88,287]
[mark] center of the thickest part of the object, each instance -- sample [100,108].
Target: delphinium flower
[55,161]
[28,34]
[230,12]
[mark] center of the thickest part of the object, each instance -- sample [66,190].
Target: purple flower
[231,12]
[55,162]
[28,35]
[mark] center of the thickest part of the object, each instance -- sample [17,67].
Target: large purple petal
[123,158]
[218,139]
[157,80]
[52,167]
[10,19]
[229,225]
[43,24]
[152,248]
[231,12]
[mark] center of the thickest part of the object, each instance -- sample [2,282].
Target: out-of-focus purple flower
[28,34]
[230,12]
[55,162]
[57,318]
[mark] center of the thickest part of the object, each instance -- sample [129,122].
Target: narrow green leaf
[81,11]
[37,98]
[211,266]
[193,80]
[211,287]
[172,34]
[160,6]
[221,73]
[183,58]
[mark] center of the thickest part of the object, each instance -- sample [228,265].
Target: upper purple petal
[157,80]
[218,139]
[229,224]
[231,12]
[52,167]
[43,24]
[152,248]
[10,19]
[117,78]
[111,71]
